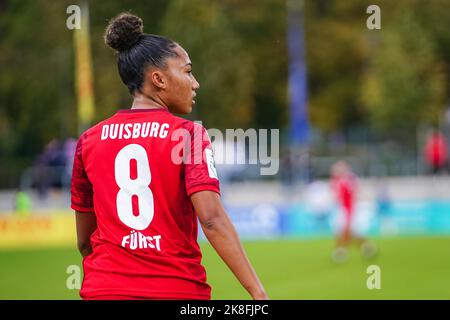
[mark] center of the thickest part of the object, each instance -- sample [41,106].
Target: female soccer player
[344,184]
[143,176]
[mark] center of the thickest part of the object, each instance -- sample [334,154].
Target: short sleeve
[200,170]
[81,188]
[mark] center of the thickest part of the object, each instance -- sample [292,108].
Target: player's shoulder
[181,122]
[95,128]
[187,124]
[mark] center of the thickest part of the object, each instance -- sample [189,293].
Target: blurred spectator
[436,153]
[344,185]
[53,166]
[70,146]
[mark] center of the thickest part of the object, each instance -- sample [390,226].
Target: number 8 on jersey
[134,187]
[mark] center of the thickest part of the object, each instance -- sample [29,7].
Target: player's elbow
[209,224]
[216,220]
[211,214]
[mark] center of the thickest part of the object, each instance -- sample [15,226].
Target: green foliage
[391,79]
[335,57]
[261,24]
[222,67]
[404,84]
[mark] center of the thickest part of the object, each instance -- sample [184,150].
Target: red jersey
[136,171]
[345,187]
[436,150]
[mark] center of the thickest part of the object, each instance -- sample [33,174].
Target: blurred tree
[110,93]
[335,56]
[434,15]
[37,101]
[262,26]
[392,79]
[404,84]
[222,67]
[30,81]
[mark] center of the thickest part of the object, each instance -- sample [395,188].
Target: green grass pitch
[411,268]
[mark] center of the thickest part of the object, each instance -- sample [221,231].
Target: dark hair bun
[123,31]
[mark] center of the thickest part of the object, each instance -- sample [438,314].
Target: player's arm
[223,237]
[82,201]
[86,223]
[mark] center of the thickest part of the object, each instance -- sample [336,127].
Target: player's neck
[141,101]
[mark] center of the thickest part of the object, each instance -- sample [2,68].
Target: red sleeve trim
[203,187]
[81,187]
[81,209]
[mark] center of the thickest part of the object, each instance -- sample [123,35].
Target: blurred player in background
[345,185]
[436,153]
[137,191]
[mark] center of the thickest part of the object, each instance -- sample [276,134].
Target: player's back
[145,244]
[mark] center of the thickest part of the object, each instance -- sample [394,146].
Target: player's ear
[158,79]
